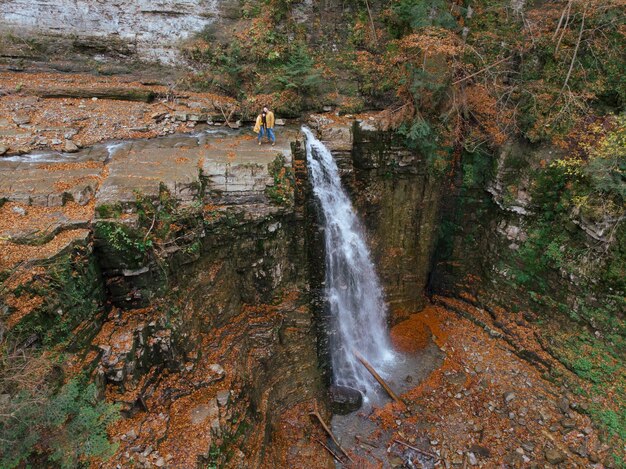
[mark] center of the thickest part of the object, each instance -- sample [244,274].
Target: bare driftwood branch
[480,71]
[360,439]
[566,11]
[571,65]
[369,12]
[334,455]
[421,451]
[377,377]
[316,414]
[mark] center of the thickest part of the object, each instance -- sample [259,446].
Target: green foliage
[612,421]
[65,429]
[109,211]
[606,168]
[477,169]
[299,73]
[160,213]
[83,421]
[72,293]
[419,135]
[123,240]
[413,15]
[281,192]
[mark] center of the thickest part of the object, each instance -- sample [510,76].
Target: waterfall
[357,308]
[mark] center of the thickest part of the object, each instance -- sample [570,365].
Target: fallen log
[377,377]
[120,94]
[330,433]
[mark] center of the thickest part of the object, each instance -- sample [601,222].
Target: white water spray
[358,312]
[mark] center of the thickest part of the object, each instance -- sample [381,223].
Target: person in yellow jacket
[265,125]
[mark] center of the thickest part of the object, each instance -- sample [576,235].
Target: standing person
[265,125]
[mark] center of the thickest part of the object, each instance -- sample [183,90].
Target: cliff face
[141,29]
[185,276]
[397,199]
[181,286]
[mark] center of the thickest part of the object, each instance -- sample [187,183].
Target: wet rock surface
[344,400]
[207,337]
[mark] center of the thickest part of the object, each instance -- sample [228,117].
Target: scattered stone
[3,150]
[202,412]
[160,462]
[344,400]
[528,447]
[70,134]
[471,458]
[279,121]
[70,147]
[217,372]
[508,396]
[568,423]
[327,108]
[580,450]
[197,117]
[131,435]
[55,141]
[457,460]
[21,119]
[180,116]
[554,456]
[563,405]
[480,451]
[223,397]
[147,452]
[158,116]
[513,459]
[588,430]
[19,210]
[544,416]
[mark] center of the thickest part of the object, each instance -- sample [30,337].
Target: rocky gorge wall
[199,299]
[182,290]
[397,199]
[147,30]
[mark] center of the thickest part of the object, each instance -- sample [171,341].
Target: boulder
[70,147]
[21,118]
[554,456]
[344,400]
[203,412]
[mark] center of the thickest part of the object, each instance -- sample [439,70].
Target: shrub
[299,74]
[46,424]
